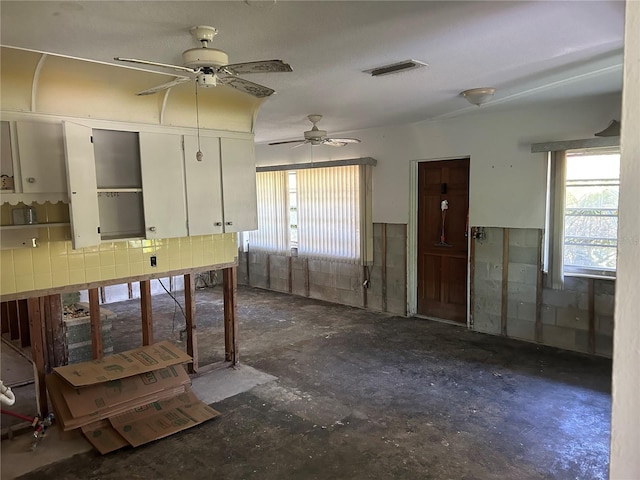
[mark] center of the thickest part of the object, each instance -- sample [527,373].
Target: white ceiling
[529,51]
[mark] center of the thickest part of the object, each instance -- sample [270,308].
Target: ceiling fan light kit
[479,96]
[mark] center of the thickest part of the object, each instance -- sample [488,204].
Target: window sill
[595,275]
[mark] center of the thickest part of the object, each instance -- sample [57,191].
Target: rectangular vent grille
[396,68]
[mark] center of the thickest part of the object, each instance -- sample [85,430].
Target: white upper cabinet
[204,193]
[239,184]
[163,190]
[41,157]
[81,177]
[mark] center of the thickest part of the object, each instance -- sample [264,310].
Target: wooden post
[505,281]
[58,336]
[190,310]
[45,308]
[383,265]
[268,272]
[96,324]
[37,353]
[5,317]
[472,274]
[290,274]
[539,287]
[145,308]
[365,278]
[230,291]
[14,325]
[23,323]
[307,282]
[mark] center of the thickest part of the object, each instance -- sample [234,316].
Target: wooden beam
[37,354]
[96,324]
[190,313]
[592,316]
[145,309]
[230,291]
[23,323]
[472,275]
[505,281]
[58,337]
[4,315]
[14,324]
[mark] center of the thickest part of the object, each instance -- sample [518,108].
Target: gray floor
[363,395]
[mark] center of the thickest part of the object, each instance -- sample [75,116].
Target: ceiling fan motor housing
[204,57]
[207,80]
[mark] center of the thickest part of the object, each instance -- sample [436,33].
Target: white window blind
[329,213]
[273,215]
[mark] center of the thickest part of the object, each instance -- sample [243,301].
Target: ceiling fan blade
[288,141]
[339,142]
[164,86]
[246,86]
[157,64]
[301,144]
[263,66]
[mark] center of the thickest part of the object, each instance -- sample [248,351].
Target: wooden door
[442,239]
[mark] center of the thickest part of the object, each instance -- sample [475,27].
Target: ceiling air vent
[396,68]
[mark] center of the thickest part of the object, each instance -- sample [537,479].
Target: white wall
[625,421]
[507,182]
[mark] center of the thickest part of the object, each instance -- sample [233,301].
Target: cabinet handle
[218,224]
[152,229]
[31,180]
[228,223]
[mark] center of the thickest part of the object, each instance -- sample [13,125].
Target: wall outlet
[153,261]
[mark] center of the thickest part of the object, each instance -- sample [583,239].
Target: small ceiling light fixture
[478,96]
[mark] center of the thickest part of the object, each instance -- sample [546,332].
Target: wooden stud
[49,359]
[4,315]
[230,290]
[505,281]
[290,275]
[58,336]
[190,313]
[248,266]
[365,277]
[37,354]
[130,290]
[539,288]
[472,276]
[383,264]
[23,323]
[14,324]
[96,324]
[103,295]
[145,309]
[592,316]
[406,247]
[307,283]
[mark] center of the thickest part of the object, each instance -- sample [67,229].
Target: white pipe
[6,395]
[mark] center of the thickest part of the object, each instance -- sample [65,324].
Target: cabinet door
[165,209]
[81,178]
[239,184]
[42,158]
[204,194]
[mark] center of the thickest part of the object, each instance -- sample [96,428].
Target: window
[582,220]
[320,212]
[591,211]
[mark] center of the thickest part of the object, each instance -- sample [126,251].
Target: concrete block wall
[562,316]
[336,281]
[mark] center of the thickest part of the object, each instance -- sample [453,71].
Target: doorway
[442,242]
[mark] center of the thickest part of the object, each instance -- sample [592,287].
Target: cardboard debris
[127,399]
[160,419]
[114,367]
[104,437]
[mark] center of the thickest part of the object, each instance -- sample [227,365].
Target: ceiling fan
[211,67]
[315,136]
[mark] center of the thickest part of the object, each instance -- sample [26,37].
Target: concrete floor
[363,395]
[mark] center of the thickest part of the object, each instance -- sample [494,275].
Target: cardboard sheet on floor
[107,395]
[104,437]
[68,422]
[163,418]
[133,362]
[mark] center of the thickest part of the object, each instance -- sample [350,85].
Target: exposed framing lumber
[37,353]
[49,360]
[539,287]
[190,313]
[146,314]
[58,331]
[307,282]
[14,324]
[505,281]
[23,323]
[96,324]
[4,316]
[472,275]
[365,277]
[230,292]
[290,274]
[268,271]
[383,265]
